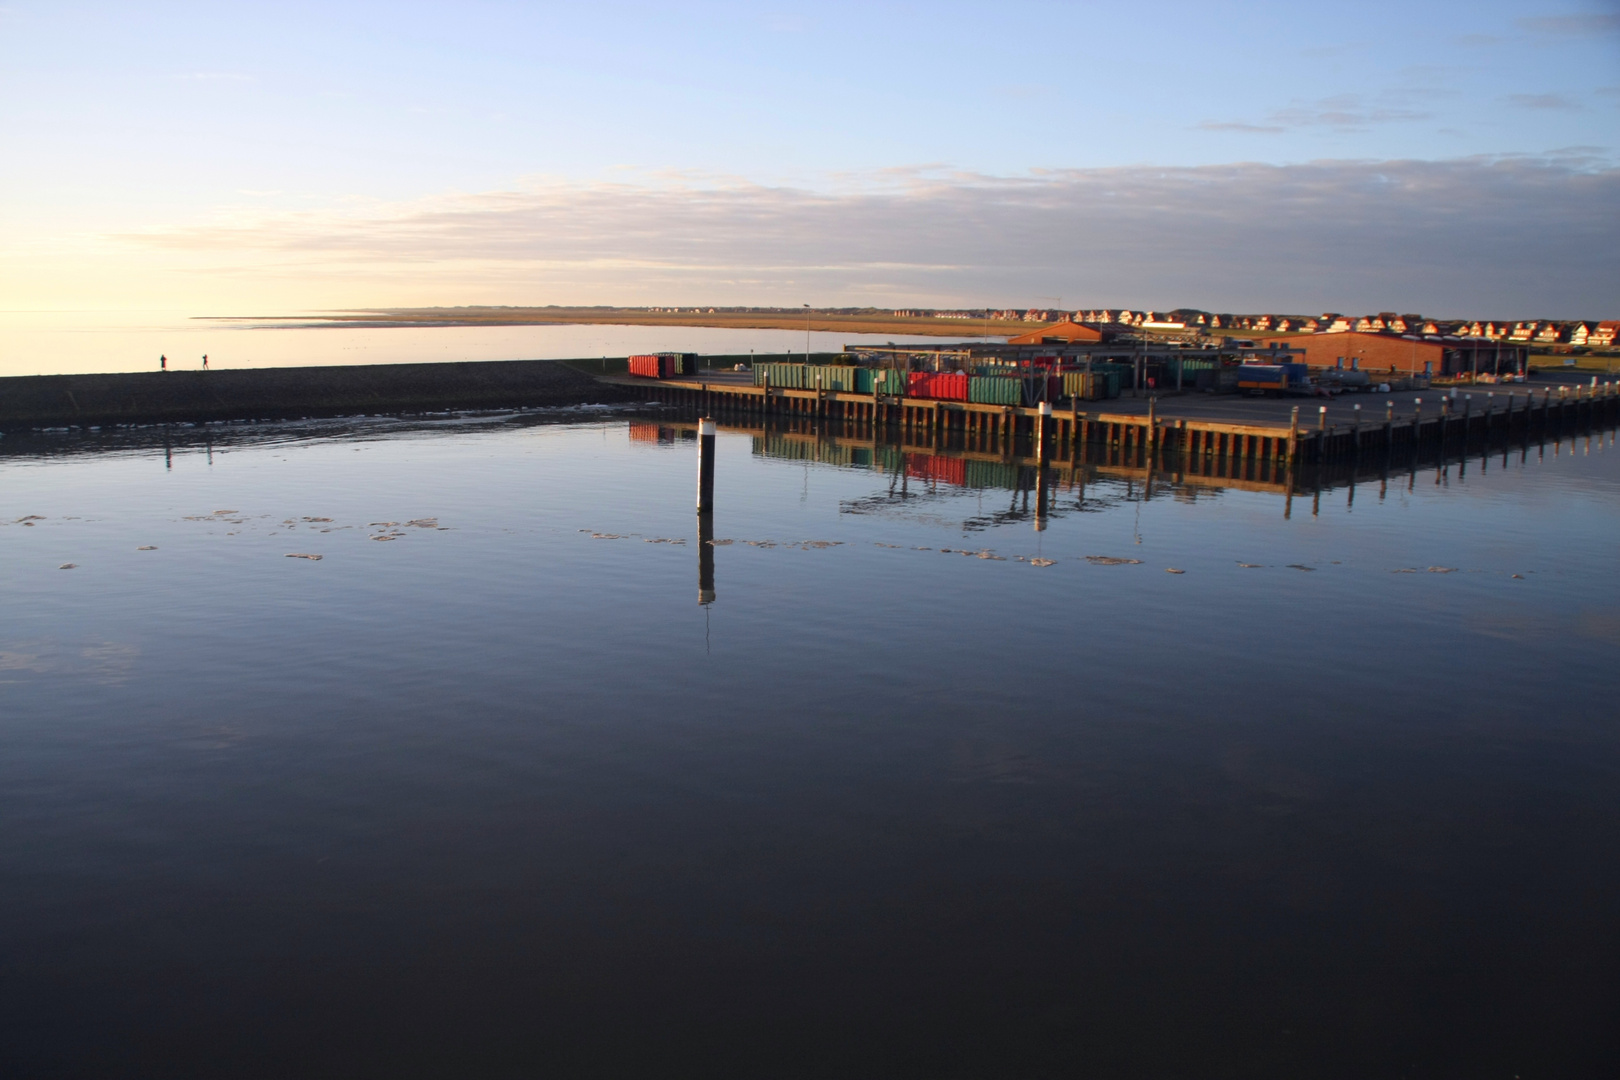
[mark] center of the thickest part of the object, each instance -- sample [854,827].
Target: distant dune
[863,322]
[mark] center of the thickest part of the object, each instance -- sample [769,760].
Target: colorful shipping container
[937,385]
[663,365]
[995,390]
[845,378]
[1091,385]
[1273,377]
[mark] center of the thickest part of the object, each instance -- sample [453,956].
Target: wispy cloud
[1238,125]
[1454,236]
[1341,112]
[1580,25]
[1541,101]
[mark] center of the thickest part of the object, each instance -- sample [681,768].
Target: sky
[230,158]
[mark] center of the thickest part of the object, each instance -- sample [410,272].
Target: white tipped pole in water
[705,497]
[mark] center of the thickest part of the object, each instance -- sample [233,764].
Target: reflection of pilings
[705,558]
[961,459]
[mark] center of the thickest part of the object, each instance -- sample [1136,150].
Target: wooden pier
[1307,438]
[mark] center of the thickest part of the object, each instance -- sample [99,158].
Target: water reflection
[705,548]
[952,460]
[999,813]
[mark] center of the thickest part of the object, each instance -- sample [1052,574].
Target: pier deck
[1314,429]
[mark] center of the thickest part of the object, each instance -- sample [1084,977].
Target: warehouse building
[1066,332]
[1412,355]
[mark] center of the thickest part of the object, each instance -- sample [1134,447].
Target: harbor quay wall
[34,401]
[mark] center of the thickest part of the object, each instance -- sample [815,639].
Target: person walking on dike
[163,363]
[205,361]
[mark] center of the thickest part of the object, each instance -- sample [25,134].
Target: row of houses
[1577,332]
[1534,331]
[1031,315]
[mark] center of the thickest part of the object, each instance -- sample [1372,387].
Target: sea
[460,746]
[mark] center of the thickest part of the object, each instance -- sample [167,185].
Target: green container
[995,390]
[781,376]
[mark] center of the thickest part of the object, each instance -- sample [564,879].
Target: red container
[938,385]
[663,365]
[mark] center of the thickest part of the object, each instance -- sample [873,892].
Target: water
[499,797]
[74,342]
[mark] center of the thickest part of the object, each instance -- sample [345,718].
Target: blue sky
[202,154]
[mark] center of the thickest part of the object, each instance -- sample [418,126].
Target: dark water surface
[499,798]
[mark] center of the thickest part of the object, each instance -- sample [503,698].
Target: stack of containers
[937,385]
[845,378]
[663,365]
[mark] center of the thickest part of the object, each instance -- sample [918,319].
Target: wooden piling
[705,496]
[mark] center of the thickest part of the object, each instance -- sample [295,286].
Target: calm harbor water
[485,791]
